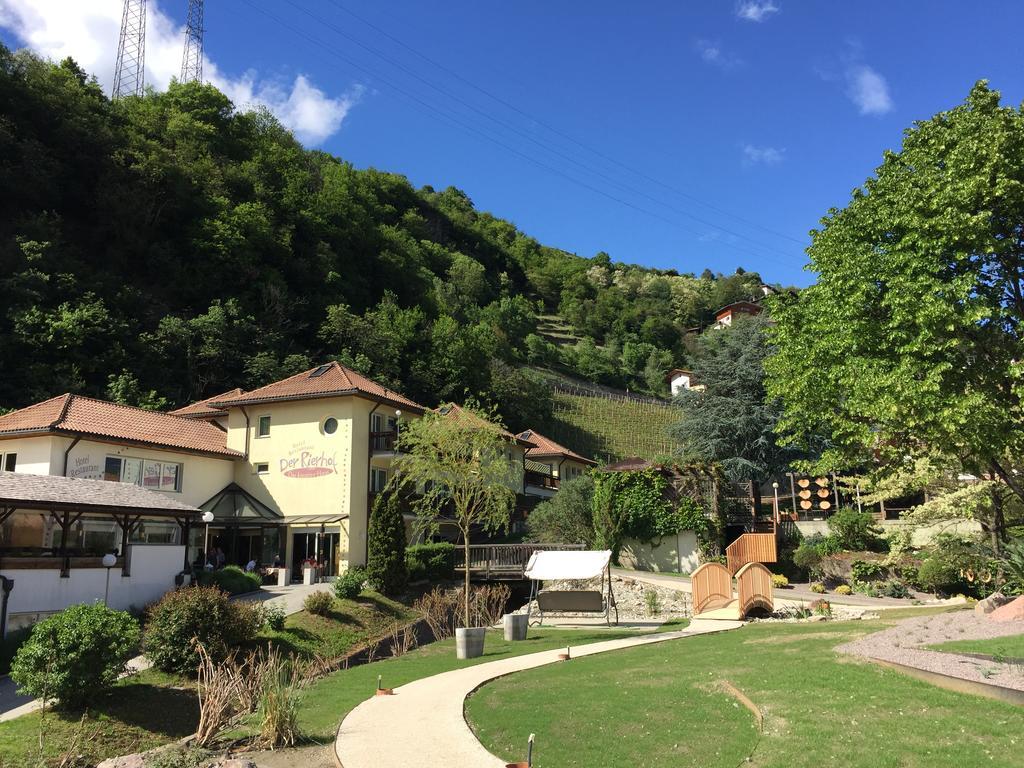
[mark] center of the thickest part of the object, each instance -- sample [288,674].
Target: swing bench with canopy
[574,565]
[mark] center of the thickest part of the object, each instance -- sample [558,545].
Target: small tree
[76,654]
[385,565]
[458,460]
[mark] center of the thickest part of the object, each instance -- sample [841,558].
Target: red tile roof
[79,415]
[330,380]
[545,446]
[202,409]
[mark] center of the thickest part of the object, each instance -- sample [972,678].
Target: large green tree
[909,343]
[730,419]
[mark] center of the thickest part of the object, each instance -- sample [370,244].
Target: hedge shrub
[318,603]
[231,579]
[197,614]
[350,584]
[76,654]
[434,562]
[854,531]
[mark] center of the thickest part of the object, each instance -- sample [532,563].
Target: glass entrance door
[320,547]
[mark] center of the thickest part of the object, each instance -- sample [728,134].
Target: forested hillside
[162,249]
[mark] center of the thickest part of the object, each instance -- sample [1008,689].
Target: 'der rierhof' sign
[308,461]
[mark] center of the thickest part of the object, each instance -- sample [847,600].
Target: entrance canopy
[572,565]
[235,505]
[326,519]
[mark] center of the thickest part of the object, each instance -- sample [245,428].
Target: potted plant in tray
[459,463]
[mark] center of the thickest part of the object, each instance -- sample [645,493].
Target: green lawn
[350,623]
[658,706]
[151,708]
[143,711]
[326,703]
[1010,647]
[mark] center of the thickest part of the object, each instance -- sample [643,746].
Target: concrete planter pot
[469,642]
[309,575]
[515,626]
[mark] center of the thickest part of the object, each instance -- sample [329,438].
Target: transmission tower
[192,61]
[130,68]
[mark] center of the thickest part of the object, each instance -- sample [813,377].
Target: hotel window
[263,426]
[9,461]
[378,480]
[262,468]
[153,475]
[376,422]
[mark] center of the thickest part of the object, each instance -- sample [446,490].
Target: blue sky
[768,113]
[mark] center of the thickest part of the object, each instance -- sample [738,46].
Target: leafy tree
[732,420]
[566,518]
[457,460]
[385,564]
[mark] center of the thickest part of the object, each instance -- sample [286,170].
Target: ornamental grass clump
[76,655]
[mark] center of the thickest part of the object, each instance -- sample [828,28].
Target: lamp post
[109,561]
[775,488]
[398,423]
[207,518]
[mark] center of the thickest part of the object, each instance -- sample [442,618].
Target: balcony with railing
[383,442]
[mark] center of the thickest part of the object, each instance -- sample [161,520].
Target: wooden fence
[503,561]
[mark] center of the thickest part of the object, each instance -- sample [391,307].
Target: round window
[330,425]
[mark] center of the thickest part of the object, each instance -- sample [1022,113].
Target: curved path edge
[424,724]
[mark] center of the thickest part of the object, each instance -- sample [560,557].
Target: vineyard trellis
[612,426]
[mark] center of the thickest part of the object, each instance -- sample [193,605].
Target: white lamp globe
[207,517]
[398,413]
[109,560]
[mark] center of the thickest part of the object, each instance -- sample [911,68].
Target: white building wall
[38,593]
[676,554]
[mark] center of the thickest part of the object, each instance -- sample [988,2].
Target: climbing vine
[642,505]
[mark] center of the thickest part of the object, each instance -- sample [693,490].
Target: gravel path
[903,643]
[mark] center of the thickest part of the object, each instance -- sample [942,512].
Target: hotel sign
[306,461]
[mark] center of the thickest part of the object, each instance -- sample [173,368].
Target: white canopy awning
[570,565]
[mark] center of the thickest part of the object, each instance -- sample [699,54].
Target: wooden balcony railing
[383,441]
[541,480]
[502,561]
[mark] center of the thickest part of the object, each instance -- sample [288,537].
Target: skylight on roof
[320,371]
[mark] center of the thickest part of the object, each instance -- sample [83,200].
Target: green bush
[385,567]
[843,589]
[274,617]
[201,615]
[10,645]
[895,588]
[938,576]
[779,581]
[807,557]
[319,603]
[866,571]
[854,531]
[350,584]
[818,588]
[76,654]
[231,579]
[434,562]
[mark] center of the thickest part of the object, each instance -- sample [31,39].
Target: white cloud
[87,30]
[762,155]
[713,53]
[868,90]
[750,10]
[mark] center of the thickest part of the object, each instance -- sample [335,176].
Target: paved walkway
[423,723]
[14,704]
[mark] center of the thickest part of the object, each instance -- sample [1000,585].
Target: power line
[556,131]
[586,168]
[449,119]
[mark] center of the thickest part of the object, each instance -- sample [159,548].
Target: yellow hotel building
[289,470]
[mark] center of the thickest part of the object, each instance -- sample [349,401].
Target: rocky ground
[903,644]
[631,599]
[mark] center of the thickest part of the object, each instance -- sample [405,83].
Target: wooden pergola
[66,500]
